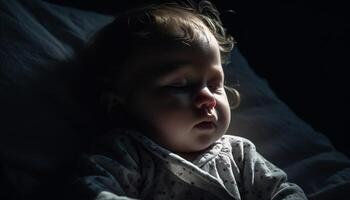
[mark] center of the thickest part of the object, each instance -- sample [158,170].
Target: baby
[161,80]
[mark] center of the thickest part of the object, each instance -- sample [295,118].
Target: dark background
[300,47]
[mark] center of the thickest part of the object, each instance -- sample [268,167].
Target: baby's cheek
[172,116]
[177,101]
[170,129]
[224,112]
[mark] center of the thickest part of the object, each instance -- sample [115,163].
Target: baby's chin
[204,141]
[194,152]
[201,144]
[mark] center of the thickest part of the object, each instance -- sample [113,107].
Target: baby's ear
[233,97]
[111,100]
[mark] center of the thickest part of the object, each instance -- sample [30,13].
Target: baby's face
[177,95]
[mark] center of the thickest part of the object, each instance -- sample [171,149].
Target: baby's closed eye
[215,85]
[180,82]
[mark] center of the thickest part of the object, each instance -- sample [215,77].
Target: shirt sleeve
[113,174]
[263,180]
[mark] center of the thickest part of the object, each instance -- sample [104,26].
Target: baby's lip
[205,125]
[209,122]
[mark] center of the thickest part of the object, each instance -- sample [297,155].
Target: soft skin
[177,95]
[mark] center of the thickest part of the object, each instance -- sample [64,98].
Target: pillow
[44,128]
[307,156]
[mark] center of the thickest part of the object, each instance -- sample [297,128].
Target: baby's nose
[205,98]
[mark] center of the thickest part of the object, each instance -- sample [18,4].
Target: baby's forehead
[148,64]
[171,55]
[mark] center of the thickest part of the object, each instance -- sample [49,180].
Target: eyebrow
[167,67]
[217,74]
[175,66]
[172,65]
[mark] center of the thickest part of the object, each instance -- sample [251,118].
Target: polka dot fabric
[130,165]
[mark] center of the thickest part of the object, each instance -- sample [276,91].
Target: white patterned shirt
[131,166]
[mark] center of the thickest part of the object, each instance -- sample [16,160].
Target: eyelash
[217,88]
[178,88]
[213,87]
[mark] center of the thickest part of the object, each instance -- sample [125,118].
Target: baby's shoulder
[112,139]
[115,143]
[240,149]
[237,141]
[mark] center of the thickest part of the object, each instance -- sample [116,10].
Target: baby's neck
[191,156]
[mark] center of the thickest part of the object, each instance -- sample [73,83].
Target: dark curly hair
[168,23]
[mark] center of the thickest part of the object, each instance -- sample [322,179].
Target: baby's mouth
[206,125]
